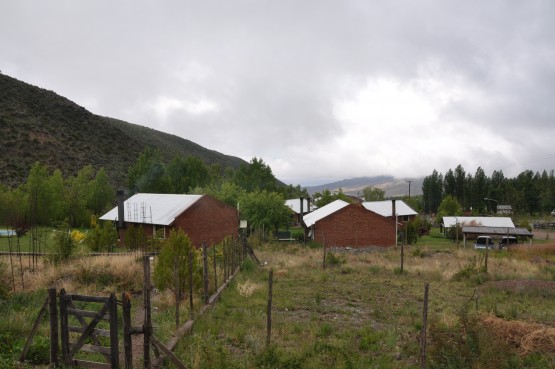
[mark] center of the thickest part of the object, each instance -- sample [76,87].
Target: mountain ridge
[37,124]
[393,187]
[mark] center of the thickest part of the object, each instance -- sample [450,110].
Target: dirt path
[137,339]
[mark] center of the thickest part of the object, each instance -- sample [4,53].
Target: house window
[158,231]
[405,218]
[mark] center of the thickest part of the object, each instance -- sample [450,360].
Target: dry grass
[525,337]
[247,288]
[88,275]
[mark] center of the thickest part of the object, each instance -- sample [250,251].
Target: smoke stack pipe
[301,212]
[121,210]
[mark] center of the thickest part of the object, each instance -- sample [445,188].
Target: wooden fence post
[191,313]
[177,284]
[64,335]
[487,255]
[324,241]
[402,256]
[114,344]
[127,342]
[269,311]
[224,251]
[53,312]
[215,269]
[424,328]
[147,328]
[205,272]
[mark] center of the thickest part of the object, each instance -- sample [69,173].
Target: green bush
[102,238]
[64,246]
[248,265]
[332,259]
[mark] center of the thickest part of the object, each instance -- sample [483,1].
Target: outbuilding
[201,217]
[341,224]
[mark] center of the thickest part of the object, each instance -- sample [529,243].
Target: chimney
[301,212]
[393,210]
[121,210]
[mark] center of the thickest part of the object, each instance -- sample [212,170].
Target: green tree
[101,194]
[325,197]
[77,196]
[64,245]
[256,175]
[264,210]
[38,195]
[187,174]
[373,194]
[227,191]
[449,207]
[172,268]
[432,189]
[148,174]
[102,238]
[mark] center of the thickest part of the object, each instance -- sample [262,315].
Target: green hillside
[39,125]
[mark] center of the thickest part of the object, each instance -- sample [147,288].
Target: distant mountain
[39,125]
[393,187]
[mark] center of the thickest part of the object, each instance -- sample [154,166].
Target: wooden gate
[80,332]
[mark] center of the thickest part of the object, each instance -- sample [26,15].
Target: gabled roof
[320,213]
[385,208]
[153,208]
[295,205]
[504,222]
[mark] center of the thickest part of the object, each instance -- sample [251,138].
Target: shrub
[469,343]
[102,238]
[248,265]
[64,246]
[333,259]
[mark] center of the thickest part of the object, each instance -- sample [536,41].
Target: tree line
[527,193]
[46,198]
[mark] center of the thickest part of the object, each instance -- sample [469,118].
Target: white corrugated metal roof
[311,218]
[385,208]
[504,222]
[295,205]
[153,208]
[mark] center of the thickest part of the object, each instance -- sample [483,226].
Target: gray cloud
[267,79]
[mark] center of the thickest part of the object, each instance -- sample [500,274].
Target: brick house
[342,224]
[202,217]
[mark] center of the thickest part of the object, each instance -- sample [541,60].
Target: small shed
[453,221]
[495,232]
[201,217]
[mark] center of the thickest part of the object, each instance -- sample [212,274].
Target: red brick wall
[208,220]
[355,226]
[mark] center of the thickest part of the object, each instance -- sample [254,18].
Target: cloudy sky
[320,90]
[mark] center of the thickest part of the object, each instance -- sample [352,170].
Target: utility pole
[409,187]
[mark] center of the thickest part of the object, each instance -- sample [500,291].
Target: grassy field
[361,312]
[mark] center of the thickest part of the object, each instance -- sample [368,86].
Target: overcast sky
[320,90]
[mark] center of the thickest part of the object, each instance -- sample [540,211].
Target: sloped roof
[498,231]
[295,205]
[504,222]
[320,213]
[385,208]
[153,208]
